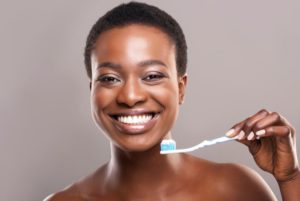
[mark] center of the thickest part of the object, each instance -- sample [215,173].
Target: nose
[132,93]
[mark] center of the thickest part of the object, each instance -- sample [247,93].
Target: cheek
[100,99]
[167,96]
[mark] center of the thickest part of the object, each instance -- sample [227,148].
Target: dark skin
[134,73]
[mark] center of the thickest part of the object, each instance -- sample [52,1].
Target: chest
[191,194]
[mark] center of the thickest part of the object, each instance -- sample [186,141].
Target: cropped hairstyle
[138,13]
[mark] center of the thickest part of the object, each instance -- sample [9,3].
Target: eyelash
[154,77]
[108,79]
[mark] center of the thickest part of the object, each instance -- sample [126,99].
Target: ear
[182,81]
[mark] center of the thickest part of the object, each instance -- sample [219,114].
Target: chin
[136,145]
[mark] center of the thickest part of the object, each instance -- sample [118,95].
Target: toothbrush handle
[201,145]
[223,139]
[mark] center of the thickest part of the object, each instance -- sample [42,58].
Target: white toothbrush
[169,146]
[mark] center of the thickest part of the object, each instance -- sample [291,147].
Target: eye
[153,77]
[108,79]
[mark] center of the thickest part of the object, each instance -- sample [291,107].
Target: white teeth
[136,119]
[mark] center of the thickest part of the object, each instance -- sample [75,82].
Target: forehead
[134,42]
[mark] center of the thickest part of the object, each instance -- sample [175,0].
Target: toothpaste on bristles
[167,145]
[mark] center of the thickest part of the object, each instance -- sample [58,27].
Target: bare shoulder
[242,183]
[70,193]
[87,188]
[228,181]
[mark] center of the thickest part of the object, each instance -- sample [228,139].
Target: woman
[135,58]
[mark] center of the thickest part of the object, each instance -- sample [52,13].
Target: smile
[135,119]
[135,123]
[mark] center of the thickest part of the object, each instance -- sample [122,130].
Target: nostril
[131,93]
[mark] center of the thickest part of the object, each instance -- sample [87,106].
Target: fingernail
[250,136]
[257,137]
[261,132]
[230,132]
[241,135]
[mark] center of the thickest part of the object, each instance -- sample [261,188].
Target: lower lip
[135,129]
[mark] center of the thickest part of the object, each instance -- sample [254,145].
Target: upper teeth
[136,119]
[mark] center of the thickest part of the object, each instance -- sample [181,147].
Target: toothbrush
[168,146]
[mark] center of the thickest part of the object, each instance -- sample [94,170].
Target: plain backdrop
[242,56]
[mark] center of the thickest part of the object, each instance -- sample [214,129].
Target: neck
[147,168]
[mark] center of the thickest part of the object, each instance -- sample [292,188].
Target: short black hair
[138,13]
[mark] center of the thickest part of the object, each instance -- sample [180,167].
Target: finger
[239,134]
[277,119]
[278,131]
[273,119]
[237,130]
[250,123]
[284,122]
[282,136]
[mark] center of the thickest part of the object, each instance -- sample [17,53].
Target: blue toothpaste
[167,145]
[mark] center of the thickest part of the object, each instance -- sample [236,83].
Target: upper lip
[132,112]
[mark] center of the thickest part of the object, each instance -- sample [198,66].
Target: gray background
[243,56]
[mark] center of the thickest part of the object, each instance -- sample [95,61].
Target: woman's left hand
[272,142]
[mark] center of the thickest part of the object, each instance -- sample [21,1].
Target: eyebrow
[145,63]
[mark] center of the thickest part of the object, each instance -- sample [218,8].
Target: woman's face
[135,90]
